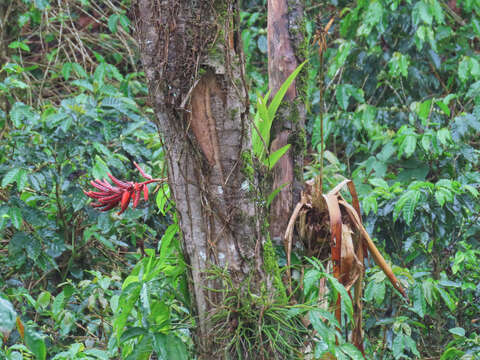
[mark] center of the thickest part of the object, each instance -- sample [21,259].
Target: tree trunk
[194,69]
[284,34]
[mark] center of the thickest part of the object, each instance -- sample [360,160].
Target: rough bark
[284,36]
[195,77]
[6,8]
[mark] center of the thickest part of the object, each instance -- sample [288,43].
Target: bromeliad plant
[110,196]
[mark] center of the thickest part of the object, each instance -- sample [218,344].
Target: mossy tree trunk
[285,39]
[192,58]
[194,69]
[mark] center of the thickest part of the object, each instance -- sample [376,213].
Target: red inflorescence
[110,196]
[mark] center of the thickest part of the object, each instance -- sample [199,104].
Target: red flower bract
[111,196]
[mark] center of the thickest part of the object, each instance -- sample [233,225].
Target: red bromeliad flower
[110,196]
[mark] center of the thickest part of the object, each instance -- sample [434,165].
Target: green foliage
[328,340]
[250,325]
[401,113]
[401,109]
[149,314]
[63,262]
[264,120]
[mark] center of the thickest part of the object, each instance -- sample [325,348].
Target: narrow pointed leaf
[275,156]
[277,99]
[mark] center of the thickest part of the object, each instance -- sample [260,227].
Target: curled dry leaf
[322,216]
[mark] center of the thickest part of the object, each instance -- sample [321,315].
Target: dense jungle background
[398,91]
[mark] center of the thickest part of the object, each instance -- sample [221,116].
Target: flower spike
[110,196]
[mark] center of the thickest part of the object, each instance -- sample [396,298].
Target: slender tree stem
[322,141]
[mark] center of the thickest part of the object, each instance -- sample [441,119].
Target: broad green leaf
[132,333]
[43,299]
[145,300]
[22,179]
[410,344]
[419,303]
[125,22]
[446,298]
[444,136]
[22,114]
[379,290]
[443,106]
[58,304]
[142,350]
[19,45]
[380,183]
[406,204]
[424,110]
[127,300]
[340,57]
[16,217]
[345,91]
[398,65]
[113,71]
[83,83]
[165,244]
[408,145]
[23,19]
[41,4]
[398,346]
[112,23]
[457,331]
[426,141]
[371,17]
[262,44]
[427,289]
[261,128]
[347,305]
[471,190]
[66,70]
[463,68]
[79,70]
[422,11]
[369,291]
[351,351]
[443,195]
[35,343]
[7,316]
[320,327]
[100,170]
[170,347]
[452,353]
[10,176]
[14,82]
[310,280]
[99,73]
[410,205]
[163,195]
[265,123]
[420,37]
[437,11]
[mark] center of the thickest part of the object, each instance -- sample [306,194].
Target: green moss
[270,265]
[247,165]
[233,113]
[298,139]
[293,113]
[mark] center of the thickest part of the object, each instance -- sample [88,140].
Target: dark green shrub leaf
[7,317]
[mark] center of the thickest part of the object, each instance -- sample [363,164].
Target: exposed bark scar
[204,123]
